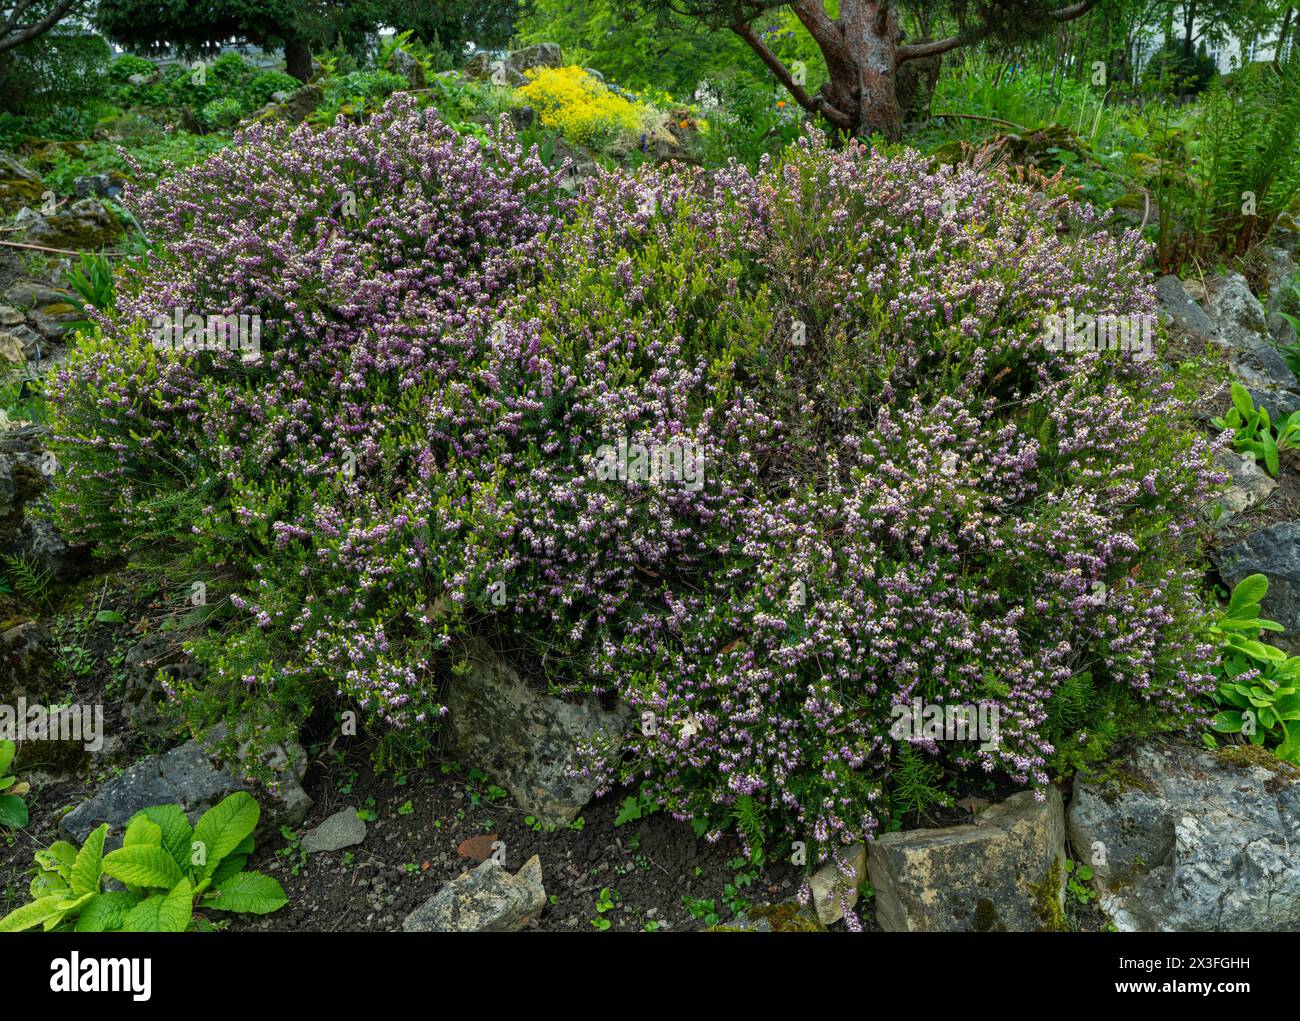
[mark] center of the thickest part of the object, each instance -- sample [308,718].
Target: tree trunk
[1281,35]
[1189,19]
[297,58]
[871,32]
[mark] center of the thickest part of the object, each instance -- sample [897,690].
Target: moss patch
[1047,901]
[1246,755]
[786,918]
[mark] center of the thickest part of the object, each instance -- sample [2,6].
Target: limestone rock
[1005,871]
[341,830]
[1275,552]
[525,740]
[485,899]
[1188,840]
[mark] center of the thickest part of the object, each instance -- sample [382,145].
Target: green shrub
[170,869]
[1258,691]
[13,810]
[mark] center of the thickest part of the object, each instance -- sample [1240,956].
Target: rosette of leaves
[13,810]
[171,871]
[1255,433]
[1259,686]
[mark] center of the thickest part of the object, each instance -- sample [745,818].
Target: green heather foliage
[170,869]
[902,492]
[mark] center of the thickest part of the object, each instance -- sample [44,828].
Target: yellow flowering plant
[580,106]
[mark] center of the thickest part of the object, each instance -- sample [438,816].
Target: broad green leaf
[38,912]
[1228,722]
[143,865]
[176,831]
[142,831]
[177,908]
[249,892]
[144,916]
[13,812]
[58,857]
[109,617]
[225,826]
[234,862]
[7,750]
[1271,462]
[1250,591]
[88,867]
[1241,400]
[48,884]
[106,912]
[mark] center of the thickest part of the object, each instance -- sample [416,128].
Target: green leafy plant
[1253,430]
[1079,875]
[30,579]
[634,808]
[1259,685]
[705,910]
[916,783]
[170,869]
[293,852]
[13,810]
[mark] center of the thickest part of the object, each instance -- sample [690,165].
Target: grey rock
[342,829]
[28,341]
[1248,486]
[10,316]
[149,662]
[994,874]
[478,67]
[85,224]
[52,321]
[303,103]
[1279,270]
[835,886]
[1241,330]
[37,540]
[29,293]
[187,776]
[1181,310]
[537,55]
[1187,840]
[26,663]
[1275,552]
[97,186]
[524,740]
[403,63]
[486,899]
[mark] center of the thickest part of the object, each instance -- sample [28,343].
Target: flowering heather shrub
[298,484]
[919,501]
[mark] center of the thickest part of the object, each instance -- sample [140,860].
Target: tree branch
[59,10]
[813,104]
[916,51]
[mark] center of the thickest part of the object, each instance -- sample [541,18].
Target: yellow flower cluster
[580,106]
